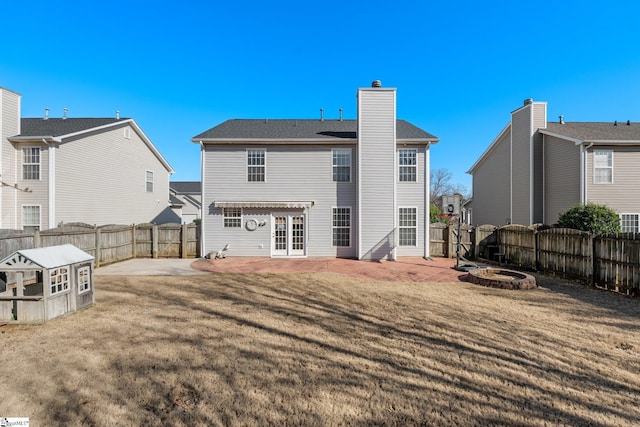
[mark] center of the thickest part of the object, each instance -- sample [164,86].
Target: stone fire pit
[501,278]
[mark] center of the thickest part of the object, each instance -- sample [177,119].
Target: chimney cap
[528,101]
[376,83]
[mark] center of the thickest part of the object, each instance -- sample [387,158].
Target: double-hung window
[232,217]
[407,226]
[30,217]
[341,164]
[149,181]
[602,166]
[630,223]
[408,165]
[341,227]
[31,163]
[256,165]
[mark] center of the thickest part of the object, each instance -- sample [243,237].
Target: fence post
[154,241]
[36,238]
[592,262]
[98,252]
[133,241]
[183,245]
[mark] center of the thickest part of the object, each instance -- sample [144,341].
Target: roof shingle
[58,127]
[596,131]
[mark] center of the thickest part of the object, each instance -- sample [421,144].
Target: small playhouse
[37,285]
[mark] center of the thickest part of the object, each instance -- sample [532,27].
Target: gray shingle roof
[185,187]
[596,131]
[300,129]
[58,126]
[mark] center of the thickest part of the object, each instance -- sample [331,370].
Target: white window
[31,163]
[149,181]
[59,280]
[127,133]
[256,164]
[408,164]
[630,223]
[84,279]
[341,164]
[232,217]
[30,217]
[407,230]
[341,227]
[602,166]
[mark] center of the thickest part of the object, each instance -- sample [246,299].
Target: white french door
[288,234]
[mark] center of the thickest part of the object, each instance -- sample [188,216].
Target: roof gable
[48,257]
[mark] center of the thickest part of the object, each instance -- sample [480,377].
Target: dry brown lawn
[326,349]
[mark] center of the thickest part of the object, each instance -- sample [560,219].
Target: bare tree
[441,185]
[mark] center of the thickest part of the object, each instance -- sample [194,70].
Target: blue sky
[460,67]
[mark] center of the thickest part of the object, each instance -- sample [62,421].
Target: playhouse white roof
[49,257]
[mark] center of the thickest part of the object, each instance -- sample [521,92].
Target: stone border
[486,277]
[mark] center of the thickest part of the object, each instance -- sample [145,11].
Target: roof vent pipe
[376,83]
[340,114]
[321,114]
[46,114]
[528,101]
[64,113]
[561,119]
[117,114]
[615,123]
[628,122]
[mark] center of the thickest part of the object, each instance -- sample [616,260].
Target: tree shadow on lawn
[314,349]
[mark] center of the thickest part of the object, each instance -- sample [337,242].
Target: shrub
[596,219]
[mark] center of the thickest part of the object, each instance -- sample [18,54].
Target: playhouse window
[59,280]
[84,282]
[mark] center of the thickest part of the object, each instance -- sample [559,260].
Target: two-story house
[535,169]
[92,170]
[338,188]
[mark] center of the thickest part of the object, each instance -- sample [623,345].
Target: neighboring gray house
[93,170]
[338,188]
[536,169]
[188,195]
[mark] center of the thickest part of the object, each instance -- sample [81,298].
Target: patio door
[288,234]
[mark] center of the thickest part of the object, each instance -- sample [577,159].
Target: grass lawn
[326,349]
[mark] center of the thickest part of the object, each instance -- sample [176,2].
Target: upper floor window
[630,223]
[341,164]
[149,181]
[602,166]
[256,165]
[408,164]
[31,163]
[30,217]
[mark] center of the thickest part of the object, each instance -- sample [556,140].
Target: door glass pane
[297,231]
[281,233]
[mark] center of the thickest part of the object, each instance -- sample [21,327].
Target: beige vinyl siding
[38,193]
[521,166]
[412,194]
[101,179]
[293,173]
[491,188]
[623,195]
[9,126]
[562,177]
[539,122]
[377,179]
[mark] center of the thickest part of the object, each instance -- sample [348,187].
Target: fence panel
[169,241]
[115,243]
[616,263]
[517,244]
[466,244]
[11,242]
[485,241]
[566,252]
[84,239]
[438,239]
[192,239]
[143,240]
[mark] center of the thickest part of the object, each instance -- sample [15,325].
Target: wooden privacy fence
[609,261]
[113,243]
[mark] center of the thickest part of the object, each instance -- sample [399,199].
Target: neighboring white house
[535,169]
[187,195]
[339,188]
[92,170]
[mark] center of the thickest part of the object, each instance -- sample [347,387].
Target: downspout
[202,201]
[51,185]
[427,202]
[583,173]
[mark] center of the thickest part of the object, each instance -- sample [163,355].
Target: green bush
[435,215]
[596,219]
